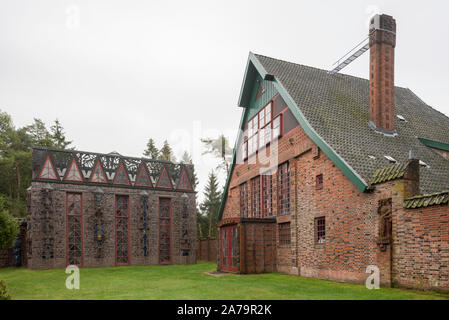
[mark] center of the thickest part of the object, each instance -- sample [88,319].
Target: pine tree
[15,162]
[202,225]
[151,151]
[39,134]
[58,136]
[186,158]
[211,204]
[166,153]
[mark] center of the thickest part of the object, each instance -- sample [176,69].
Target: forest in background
[16,161]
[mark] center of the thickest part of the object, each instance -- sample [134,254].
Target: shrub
[4,295]
[8,230]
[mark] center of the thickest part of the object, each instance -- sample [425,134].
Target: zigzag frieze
[86,162]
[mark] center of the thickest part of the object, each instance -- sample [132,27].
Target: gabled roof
[333,110]
[337,107]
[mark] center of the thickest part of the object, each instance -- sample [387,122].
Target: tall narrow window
[284,188]
[267,195]
[225,246]
[251,149]
[320,230]
[245,150]
[284,234]
[244,200]
[74,209]
[319,181]
[122,230]
[164,230]
[277,126]
[255,197]
[235,246]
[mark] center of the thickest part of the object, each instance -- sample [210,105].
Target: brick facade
[125,217]
[417,256]
[58,227]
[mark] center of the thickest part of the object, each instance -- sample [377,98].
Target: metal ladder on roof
[352,57]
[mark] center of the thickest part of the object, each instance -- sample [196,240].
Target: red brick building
[334,173]
[93,210]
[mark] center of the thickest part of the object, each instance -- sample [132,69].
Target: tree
[219,148]
[39,134]
[202,224]
[15,165]
[166,153]
[16,158]
[58,136]
[186,158]
[151,151]
[211,204]
[6,127]
[8,230]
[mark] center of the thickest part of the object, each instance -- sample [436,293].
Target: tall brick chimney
[382,40]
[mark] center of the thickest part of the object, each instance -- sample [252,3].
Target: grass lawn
[186,282]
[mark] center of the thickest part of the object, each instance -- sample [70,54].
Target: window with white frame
[261,130]
[277,126]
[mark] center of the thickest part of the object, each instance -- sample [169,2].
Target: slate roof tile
[337,107]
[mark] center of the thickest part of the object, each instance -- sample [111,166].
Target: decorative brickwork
[354,235]
[99,223]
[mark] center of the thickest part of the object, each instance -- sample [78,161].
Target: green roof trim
[426,200]
[389,173]
[255,65]
[434,144]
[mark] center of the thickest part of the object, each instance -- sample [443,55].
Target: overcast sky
[117,72]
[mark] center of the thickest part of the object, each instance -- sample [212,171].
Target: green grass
[186,282]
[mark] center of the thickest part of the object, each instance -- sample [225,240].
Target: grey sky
[118,72]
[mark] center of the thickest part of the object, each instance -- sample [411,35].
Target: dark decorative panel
[121,230]
[74,229]
[164,231]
